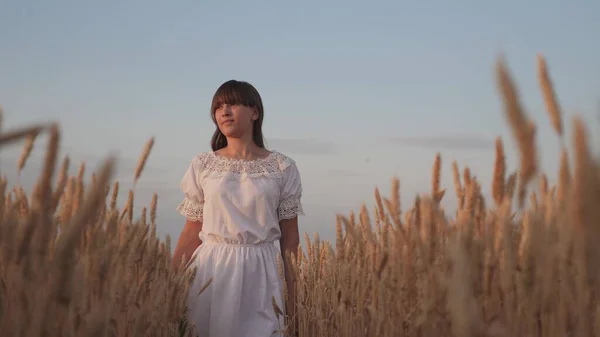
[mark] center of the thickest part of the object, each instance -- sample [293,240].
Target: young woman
[239,199]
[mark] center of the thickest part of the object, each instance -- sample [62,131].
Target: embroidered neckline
[267,157]
[215,166]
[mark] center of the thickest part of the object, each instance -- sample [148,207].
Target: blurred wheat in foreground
[74,264]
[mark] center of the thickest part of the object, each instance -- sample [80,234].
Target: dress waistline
[238,244]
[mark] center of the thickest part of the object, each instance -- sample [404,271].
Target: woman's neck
[242,149]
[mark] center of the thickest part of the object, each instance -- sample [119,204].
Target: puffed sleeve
[290,203]
[192,206]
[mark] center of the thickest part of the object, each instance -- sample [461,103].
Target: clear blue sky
[356,92]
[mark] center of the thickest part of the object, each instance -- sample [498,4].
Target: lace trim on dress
[192,210]
[289,209]
[272,165]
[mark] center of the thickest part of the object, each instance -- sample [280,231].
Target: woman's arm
[290,242]
[187,243]
[290,207]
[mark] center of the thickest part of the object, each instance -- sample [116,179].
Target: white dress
[240,203]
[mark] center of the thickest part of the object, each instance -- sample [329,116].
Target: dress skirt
[239,300]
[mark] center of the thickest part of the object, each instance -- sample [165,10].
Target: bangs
[236,93]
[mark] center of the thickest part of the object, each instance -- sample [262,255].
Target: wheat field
[75,263]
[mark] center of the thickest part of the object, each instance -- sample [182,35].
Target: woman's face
[235,121]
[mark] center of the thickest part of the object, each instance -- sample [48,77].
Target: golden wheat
[489,271]
[73,263]
[69,266]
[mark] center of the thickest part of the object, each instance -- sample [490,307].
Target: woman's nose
[226,110]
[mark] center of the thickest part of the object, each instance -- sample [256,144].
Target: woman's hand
[187,243]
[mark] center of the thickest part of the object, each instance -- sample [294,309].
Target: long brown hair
[241,93]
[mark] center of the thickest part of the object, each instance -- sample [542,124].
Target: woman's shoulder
[284,161]
[200,160]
